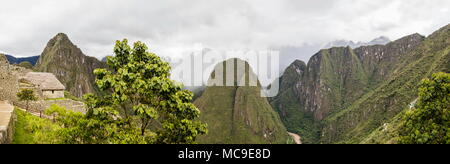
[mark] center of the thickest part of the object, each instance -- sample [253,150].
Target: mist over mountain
[382,40]
[288,54]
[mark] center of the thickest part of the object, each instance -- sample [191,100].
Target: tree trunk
[143,126]
[142,131]
[27,106]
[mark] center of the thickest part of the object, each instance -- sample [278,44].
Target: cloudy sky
[170,27]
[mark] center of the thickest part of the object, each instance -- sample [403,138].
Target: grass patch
[67,95]
[30,129]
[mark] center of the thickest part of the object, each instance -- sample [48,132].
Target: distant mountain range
[344,43]
[346,93]
[13,60]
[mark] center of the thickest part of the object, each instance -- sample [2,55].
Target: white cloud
[173,26]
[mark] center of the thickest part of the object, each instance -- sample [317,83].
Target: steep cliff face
[290,104]
[238,114]
[393,95]
[74,69]
[329,77]
[354,93]
[380,61]
[335,79]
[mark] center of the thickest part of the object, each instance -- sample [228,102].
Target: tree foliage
[429,122]
[26,95]
[92,128]
[26,64]
[142,104]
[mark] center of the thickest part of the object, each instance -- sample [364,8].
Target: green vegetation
[148,100]
[359,95]
[144,107]
[31,129]
[412,125]
[429,121]
[378,107]
[238,114]
[68,95]
[26,64]
[26,95]
[296,121]
[291,106]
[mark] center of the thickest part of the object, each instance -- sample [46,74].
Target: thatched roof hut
[44,81]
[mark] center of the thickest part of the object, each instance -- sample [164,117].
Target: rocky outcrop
[9,77]
[73,68]
[3,60]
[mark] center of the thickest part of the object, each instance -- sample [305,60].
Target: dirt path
[297,138]
[5,114]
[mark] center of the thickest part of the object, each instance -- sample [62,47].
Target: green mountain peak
[238,114]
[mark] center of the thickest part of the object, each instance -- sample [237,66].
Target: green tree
[26,95]
[140,104]
[26,64]
[429,121]
[141,90]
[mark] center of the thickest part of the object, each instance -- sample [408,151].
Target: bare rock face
[3,60]
[73,68]
[9,77]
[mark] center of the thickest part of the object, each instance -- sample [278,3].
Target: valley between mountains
[341,95]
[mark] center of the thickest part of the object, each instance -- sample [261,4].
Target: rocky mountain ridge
[70,65]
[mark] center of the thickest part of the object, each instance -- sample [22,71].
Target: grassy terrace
[30,129]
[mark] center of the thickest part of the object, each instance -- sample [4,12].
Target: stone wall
[53,94]
[10,85]
[42,105]
[7,122]
[9,76]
